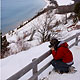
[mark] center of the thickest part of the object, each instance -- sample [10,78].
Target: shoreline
[47,3]
[30,19]
[21,24]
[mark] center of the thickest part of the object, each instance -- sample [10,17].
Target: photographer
[62,56]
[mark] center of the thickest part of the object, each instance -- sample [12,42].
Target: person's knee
[53,62]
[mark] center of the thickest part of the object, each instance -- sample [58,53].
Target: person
[62,56]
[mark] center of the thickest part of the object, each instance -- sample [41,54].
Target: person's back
[63,53]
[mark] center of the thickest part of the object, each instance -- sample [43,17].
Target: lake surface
[14,12]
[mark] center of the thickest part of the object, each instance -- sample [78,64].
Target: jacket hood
[63,44]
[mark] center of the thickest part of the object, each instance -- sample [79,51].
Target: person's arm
[58,54]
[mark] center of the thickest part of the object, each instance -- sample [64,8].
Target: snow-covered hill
[18,38]
[16,62]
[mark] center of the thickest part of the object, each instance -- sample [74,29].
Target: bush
[4,45]
[77,10]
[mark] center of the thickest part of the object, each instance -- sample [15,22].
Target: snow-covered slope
[18,38]
[14,63]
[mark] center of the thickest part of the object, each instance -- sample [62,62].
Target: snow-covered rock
[64,2]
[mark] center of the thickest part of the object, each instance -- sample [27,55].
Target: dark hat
[53,42]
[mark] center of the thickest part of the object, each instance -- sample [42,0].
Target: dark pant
[59,65]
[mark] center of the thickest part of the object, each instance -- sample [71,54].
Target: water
[14,12]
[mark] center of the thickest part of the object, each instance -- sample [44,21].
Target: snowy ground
[14,63]
[64,2]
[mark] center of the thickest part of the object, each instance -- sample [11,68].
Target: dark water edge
[32,12]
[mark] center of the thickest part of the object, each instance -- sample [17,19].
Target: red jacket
[63,53]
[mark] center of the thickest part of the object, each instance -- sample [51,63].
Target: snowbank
[64,2]
[14,63]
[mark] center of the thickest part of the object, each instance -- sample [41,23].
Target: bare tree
[44,26]
[4,45]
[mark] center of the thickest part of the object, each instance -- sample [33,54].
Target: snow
[17,35]
[60,2]
[14,63]
[64,2]
[66,34]
[78,23]
[59,17]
